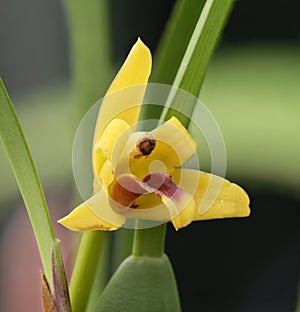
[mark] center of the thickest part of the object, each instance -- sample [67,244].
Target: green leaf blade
[192,70]
[19,156]
[176,37]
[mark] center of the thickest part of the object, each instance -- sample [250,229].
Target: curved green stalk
[85,268]
[122,246]
[18,153]
[102,274]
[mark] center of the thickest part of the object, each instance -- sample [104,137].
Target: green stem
[102,274]
[122,246]
[150,242]
[85,268]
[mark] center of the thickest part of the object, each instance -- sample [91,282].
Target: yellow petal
[104,178]
[165,148]
[135,71]
[215,197]
[94,214]
[182,210]
[174,134]
[114,137]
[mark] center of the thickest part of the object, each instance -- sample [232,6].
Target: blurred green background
[252,88]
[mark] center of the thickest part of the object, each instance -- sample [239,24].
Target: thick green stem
[122,246]
[85,268]
[103,273]
[150,242]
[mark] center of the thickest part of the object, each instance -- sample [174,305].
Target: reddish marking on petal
[155,180]
[163,184]
[134,206]
[122,195]
[124,191]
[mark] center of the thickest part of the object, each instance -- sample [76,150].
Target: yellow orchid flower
[139,174]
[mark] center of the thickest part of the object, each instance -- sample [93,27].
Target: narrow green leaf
[27,178]
[176,37]
[193,67]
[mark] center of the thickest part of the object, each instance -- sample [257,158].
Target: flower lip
[162,183]
[127,189]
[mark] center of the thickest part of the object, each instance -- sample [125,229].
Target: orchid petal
[174,134]
[135,71]
[120,106]
[114,137]
[105,177]
[215,197]
[94,214]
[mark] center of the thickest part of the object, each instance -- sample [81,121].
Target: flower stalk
[150,242]
[87,260]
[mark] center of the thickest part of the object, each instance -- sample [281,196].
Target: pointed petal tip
[135,71]
[83,226]
[141,43]
[144,53]
[83,218]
